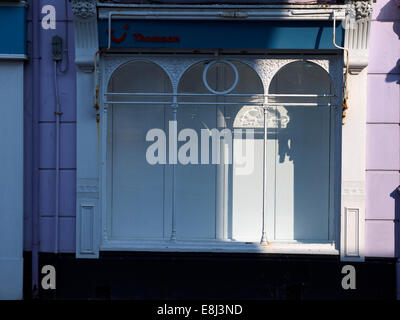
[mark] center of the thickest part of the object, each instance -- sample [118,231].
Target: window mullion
[264,211]
[174,162]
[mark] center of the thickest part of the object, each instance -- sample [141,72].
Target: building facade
[12,56]
[251,148]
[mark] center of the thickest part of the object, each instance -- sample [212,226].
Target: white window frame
[175,66]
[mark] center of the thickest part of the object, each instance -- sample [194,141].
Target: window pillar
[174,160]
[264,212]
[354,132]
[88,189]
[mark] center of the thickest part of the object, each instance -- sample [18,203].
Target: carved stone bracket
[84,8]
[363,9]
[85,27]
[357,29]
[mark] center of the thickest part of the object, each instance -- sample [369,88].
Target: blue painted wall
[66,87]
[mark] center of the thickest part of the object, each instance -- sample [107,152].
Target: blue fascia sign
[244,35]
[13,30]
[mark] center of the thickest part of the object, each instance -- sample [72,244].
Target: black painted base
[191,276]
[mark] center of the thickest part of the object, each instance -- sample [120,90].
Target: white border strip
[219,246]
[10,56]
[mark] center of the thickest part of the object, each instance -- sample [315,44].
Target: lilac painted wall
[383,131]
[383,135]
[47,139]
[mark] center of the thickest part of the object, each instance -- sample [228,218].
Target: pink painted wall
[383,131]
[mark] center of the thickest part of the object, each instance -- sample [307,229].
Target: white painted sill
[220,246]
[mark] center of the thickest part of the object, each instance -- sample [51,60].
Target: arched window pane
[139,77]
[302,157]
[136,189]
[301,78]
[220,77]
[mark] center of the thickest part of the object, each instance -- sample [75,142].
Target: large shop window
[220,196]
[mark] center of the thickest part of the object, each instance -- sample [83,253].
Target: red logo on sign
[120,39]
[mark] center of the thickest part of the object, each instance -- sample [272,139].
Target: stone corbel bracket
[86,38]
[357,29]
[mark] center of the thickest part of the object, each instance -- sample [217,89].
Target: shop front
[12,58]
[220,129]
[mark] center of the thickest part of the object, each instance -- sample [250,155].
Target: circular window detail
[216,68]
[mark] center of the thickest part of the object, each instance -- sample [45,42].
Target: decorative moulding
[357,30]
[88,186]
[175,67]
[84,8]
[86,39]
[351,249]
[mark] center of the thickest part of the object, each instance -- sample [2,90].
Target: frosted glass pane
[302,160]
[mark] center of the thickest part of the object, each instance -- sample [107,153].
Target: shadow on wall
[396,69]
[386,13]
[396,196]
